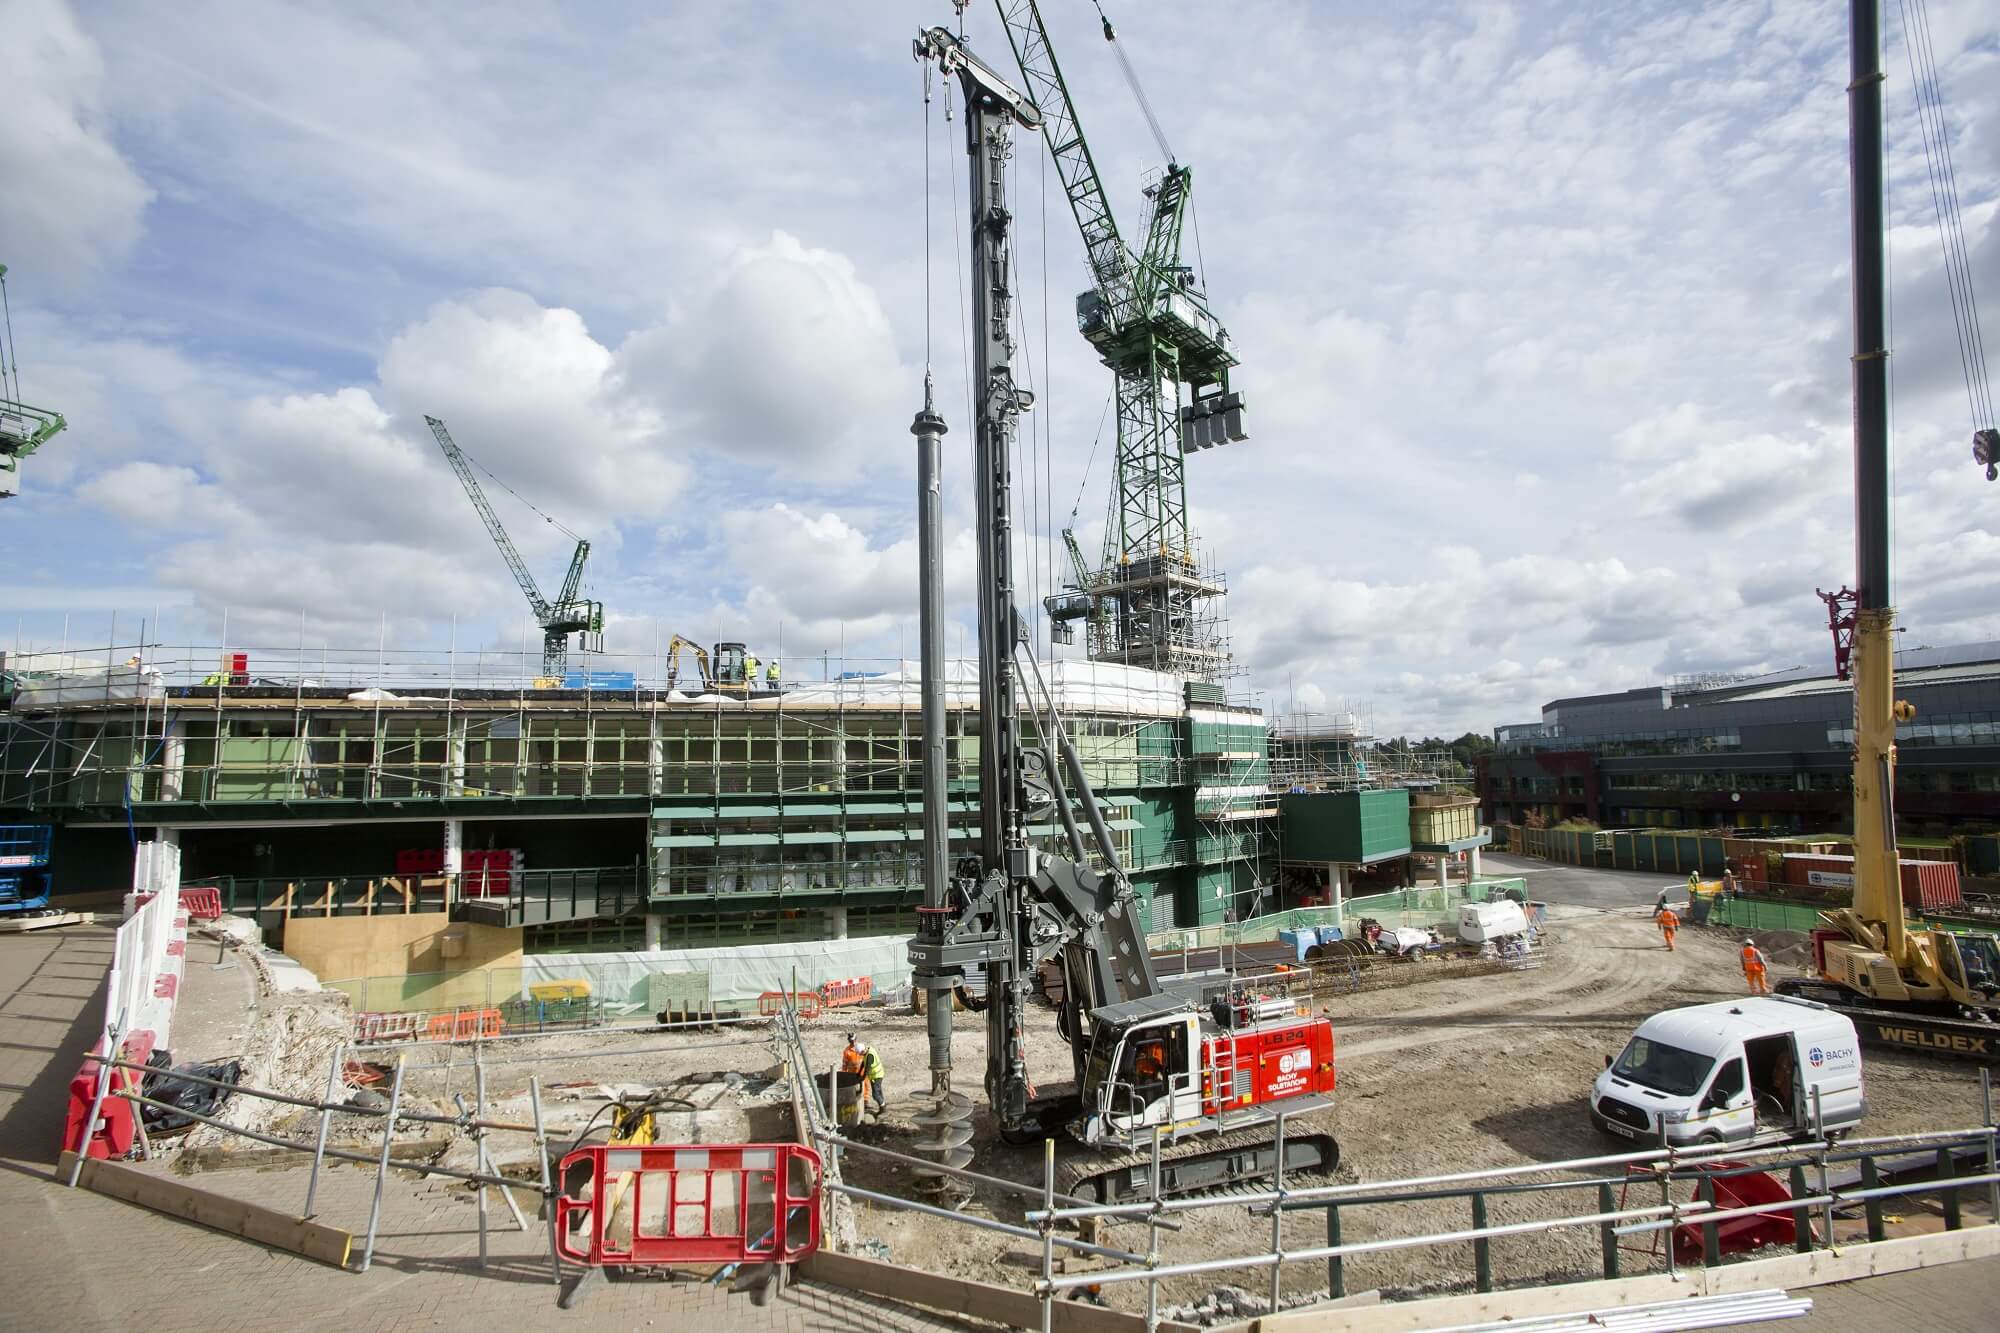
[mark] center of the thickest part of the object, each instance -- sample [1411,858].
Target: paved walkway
[68,1259]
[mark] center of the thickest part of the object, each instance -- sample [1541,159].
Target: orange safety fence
[852,990]
[777,1001]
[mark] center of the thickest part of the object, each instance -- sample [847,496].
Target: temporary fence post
[1802,1237]
[1992,1149]
[382,1165]
[1153,1241]
[1871,1177]
[1482,1247]
[1673,1210]
[1825,1184]
[325,1117]
[1946,1169]
[542,1159]
[1711,1236]
[1607,1239]
[96,1100]
[1278,1212]
[1048,1235]
[1336,1275]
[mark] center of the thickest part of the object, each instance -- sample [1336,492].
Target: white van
[1740,1071]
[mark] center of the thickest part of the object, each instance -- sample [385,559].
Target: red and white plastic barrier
[146,968]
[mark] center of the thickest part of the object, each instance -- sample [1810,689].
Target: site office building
[1772,751]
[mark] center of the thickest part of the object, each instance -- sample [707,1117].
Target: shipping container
[1927,885]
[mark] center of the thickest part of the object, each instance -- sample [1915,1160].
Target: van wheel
[1710,1140]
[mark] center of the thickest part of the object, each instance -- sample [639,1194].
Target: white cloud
[786,360]
[72,203]
[528,392]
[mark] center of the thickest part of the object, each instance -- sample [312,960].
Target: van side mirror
[1607,1062]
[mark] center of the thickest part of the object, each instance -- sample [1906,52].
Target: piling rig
[1204,1071]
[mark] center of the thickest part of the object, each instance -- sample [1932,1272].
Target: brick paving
[77,1260]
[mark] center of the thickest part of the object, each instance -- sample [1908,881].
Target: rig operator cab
[1156,1062]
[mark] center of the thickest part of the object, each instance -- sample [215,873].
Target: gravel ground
[1448,1075]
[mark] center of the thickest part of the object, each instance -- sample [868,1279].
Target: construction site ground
[1443,1076]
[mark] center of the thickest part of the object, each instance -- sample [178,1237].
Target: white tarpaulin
[1078,686]
[87,685]
[736,974]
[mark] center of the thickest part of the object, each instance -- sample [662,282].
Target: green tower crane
[1148,318]
[569,613]
[23,429]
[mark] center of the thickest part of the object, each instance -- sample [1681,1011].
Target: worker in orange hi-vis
[1754,968]
[1669,923]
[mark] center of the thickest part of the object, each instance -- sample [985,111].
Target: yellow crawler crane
[1925,989]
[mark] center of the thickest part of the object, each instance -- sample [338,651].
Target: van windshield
[1663,1068]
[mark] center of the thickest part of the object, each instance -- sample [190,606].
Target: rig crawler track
[1938,1035]
[1210,1163]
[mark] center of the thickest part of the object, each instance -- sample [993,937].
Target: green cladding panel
[1357,827]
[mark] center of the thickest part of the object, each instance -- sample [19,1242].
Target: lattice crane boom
[568,614]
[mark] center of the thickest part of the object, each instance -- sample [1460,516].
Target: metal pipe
[325,1120]
[1048,1235]
[479,1145]
[758,1020]
[1153,1239]
[96,1102]
[548,1186]
[1357,1247]
[420,1117]
[1349,1193]
[991,1182]
[929,428]
[1278,1210]
[1707,1214]
[983,1223]
[337,1154]
[1992,1148]
[382,1166]
[1920,1187]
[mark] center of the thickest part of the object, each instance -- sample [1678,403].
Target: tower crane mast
[569,613]
[1149,320]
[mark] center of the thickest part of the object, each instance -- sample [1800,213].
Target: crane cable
[1917,45]
[8,356]
[546,518]
[1132,82]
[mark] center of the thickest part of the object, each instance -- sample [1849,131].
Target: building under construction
[320,782]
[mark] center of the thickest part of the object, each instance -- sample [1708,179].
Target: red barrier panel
[202,904]
[115,1129]
[463,1025]
[756,1202]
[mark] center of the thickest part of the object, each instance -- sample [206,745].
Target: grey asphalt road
[1574,886]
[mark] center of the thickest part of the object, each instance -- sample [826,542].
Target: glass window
[1663,1068]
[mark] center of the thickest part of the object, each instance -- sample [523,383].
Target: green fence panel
[1621,852]
[1713,862]
[1642,852]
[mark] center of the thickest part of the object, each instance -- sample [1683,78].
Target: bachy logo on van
[1820,1057]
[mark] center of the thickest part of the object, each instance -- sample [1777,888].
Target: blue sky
[1542,311]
